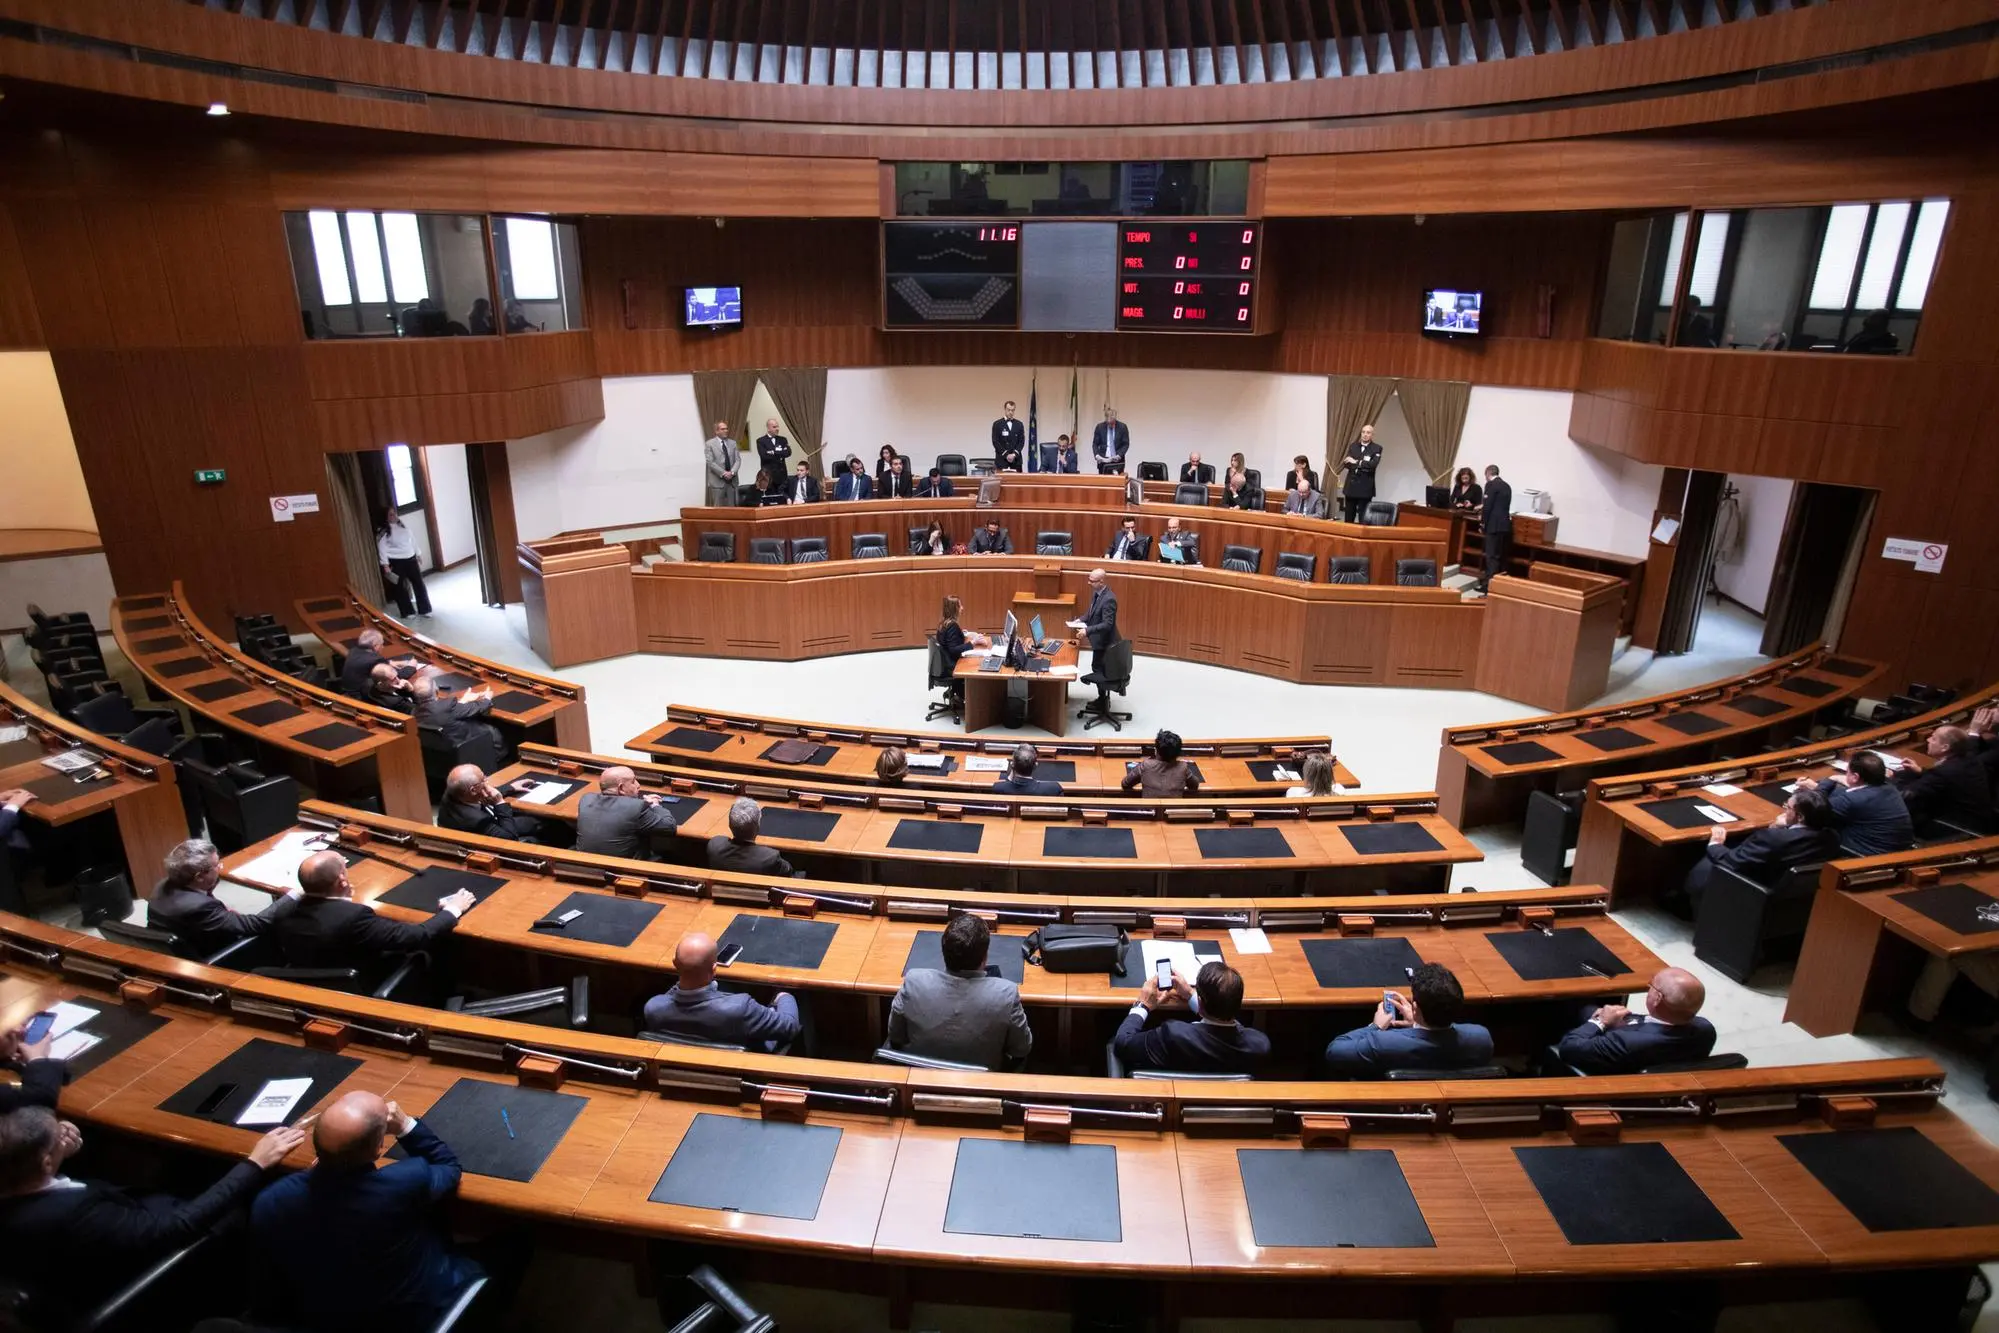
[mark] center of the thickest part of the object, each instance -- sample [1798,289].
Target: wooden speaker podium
[1548,638]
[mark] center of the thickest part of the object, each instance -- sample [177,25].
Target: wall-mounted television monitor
[713,308]
[1451,313]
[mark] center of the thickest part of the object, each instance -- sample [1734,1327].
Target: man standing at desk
[1009,438]
[1110,444]
[1363,456]
[1098,624]
[773,450]
[722,458]
[1497,525]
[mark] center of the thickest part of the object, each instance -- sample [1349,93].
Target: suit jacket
[895,485]
[1009,435]
[1009,458]
[1013,786]
[608,825]
[1194,1048]
[339,932]
[1110,442]
[354,671]
[488,821]
[1311,506]
[1767,853]
[725,853]
[40,1085]
[965,1016]
[85,1240]
[1100,621]
[203,925]
[811,484]
[1370,1052]
[458,719]
[721,458]
[1497,513]
[774,453]
[1470,497]
[1871,820]
[1061,462]
[1636,1045]
[1138,548]
[365,1249]
[1201,476]
[983,544]
[396,701]
[938,489]
[1953,789]
[1291,479]
[853,486]
[1360,474]
[713,1014]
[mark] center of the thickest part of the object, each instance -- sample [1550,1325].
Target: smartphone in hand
[38,1027]
[1165,975]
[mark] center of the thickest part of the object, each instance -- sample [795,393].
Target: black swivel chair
[918,545]
[1112,668]
[1190,493]
[550,1007]
[1152,472]
[1243,559]
[146,1302]
[1116,1068]
[114,715]
[769,550]
[1740,919]
[1349,569]
[953,465]
[1252,480]
[1379,514]
[1415,573]
[808,550]
[1549,1064]
[717,548]
[868,545]
[1426,1075]
[1054,543]
[1292,565]
[440,755]
[240,804]
[889,1055]
[953,703]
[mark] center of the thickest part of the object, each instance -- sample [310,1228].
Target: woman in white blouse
[1317,771]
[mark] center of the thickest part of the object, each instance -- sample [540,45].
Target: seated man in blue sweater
[1613,1040]
[697,1007]
[1417,1031]
[1215,1043]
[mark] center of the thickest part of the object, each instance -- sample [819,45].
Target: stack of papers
[1179,952]
[544,792]
[1716,813]
[278,868]
[1721,789]
[72,761]
[985,764]
[1249,939]
[8,735]
[1279,773]
[927,760]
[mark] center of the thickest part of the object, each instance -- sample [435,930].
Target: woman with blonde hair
[1317,771]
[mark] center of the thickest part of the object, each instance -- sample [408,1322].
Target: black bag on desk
[1077,949]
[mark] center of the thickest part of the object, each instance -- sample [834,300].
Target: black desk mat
[694,738]
[1682,811]
[341,622]
[927,951]
[179,666]
[326,604]
[264,714]
[1049,1191]
[1612,738]
[164,644]
[1839,666]
[1776,793]
[775,941]
[421,891]
[453,680]
[1811,689]
[150,622]
[684,808]
[139,603]
[1055,770]
[209,691]
[1390,838]
[61,787]
[516,701]
[1622,1194]
[1954,906]
[771,1168]
[118,1027]
[1357,1199]
[1538,957]
[468,1118]
[1759,705]
[1089,842]
[1265,770]
[937,835]
[1520,752]
[1894,1179]
[20,752]
[1691,724]
[252,1065]
[570,786]
[332,736]
[797,825]
[1224,843]
[1381,963]
[1205,951]
[817,759]
[607,919]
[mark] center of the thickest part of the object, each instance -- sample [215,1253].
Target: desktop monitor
[1034,630]
[1437,497]
[1011,628]
[1452,313]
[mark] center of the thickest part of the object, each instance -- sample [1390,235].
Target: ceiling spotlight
[218,108]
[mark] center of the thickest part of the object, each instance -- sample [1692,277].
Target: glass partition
[366,274]
[541,274]
[1072,189]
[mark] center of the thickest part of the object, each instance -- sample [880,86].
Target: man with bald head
[622,819]
[350,1244]
[472,804]
[1953,788]
[357,671]
[697,1007]
[329,929]
[388,690]
[1613,1040]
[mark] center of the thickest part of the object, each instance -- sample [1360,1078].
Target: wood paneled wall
[446,390]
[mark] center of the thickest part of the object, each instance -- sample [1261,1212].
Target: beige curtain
[1435,410]
[724,395]
[800,395]
[357,535]
[1352,401]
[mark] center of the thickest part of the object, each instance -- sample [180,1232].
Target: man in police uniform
[1009,439]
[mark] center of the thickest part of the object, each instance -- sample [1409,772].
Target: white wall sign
[1927,557]
[285,507]
[1931,559]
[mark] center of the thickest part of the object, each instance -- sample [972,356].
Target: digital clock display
[1193,277]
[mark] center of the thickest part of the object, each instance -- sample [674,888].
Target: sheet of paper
[1061,671]
[1279,773]
[9,735]
[1179,952]
[926,760]
[1722,789]
[278,868]
[73,1044]
[1839,764]
[1249,939]
[543,792]
[1073,624]
[72,761]
[1891,761]
[973,652]
[1716,813]
[274,1101]
[70,1016]
[985,763]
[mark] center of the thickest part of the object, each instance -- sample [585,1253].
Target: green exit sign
[209,476]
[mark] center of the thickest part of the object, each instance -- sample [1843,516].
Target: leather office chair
[1426,1075]
[768,550]
[401,982]
[1931,696]
[1548,1063]
[1054,543]
[953,703]
[917,545]
[808,550]
[1116,1068]
[139,937]
[1254,500]
[450,1321]
[746,494]
[68,692]
[1740,919]
[1252,479]
[1349,569]
[985,467]
[868,545]
[1379,514]
[888,1055]
[1113,670]
[550,1007]
[114,715]
[145,1302]
[678,1039]
[1554,821]
[1190,493]
[1243,559]
[717,548]
[1152,472]
[1415,573]
[952,465]
[239,803]
[440,756]
[1292,565]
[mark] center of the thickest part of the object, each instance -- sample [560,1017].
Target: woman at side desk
[934,541]
[953,638]
[1317,772]
[1466,493]
[764,492]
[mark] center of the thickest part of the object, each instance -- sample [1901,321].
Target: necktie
[1119,555]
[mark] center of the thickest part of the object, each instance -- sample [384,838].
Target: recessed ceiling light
[218,108]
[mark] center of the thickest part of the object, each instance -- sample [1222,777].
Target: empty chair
[114,715]
[868,545]
[917,543]
[1190,493]
[1152,471]
[808,550]
[1243,559]
[1054,543]
[241,805]
[1739,919]
[717,547]
[952,465]
[1292,565]
[1113,668]
[1415,573]
[551,1006]
[1379,514]
[1349,569]
[985,467]
[767,550]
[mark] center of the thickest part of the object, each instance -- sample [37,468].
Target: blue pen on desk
[507,1121]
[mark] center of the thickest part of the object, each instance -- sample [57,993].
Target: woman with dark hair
[887,456]
[1466,493]
[767,491]
[953,638]
[1163,774]
[479,319]
[935,542]
[891,767]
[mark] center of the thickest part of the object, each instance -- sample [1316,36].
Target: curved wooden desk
[694,737]
[331,743]
[883,833]
[539,708]
[1484,773]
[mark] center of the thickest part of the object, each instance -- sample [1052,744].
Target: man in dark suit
[1020,779]
[84,1239]
[697,1007]
[458,720]
[989,540]
[741,850]
[41,1074]
[773,451]
[1194,472]
[1362,457]
[1009,439]
[1300,465]
[1129,543]
[854,483]
[935,486]
[471,804]
[896,483]
[1496,522]
[1613,1040]
[1954,789]
[1063,458]
[350,1245]
[1099,623]
[620,818]
[803,488]
[1868,813]
[363,658]
[1110,443]
[11,805]
[1417,1031]
[329,929]
[386,689]
[1800,836]
[1215,1043]
[184,903]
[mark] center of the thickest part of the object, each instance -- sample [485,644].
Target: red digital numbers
[999,233]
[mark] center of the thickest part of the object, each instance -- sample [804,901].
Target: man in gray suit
[620,820]
[740,850]
[697,1007]
[961,1014]
[722,459]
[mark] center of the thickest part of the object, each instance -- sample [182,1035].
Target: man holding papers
[330,929]
[184,903]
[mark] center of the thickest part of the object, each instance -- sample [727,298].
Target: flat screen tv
[1451,313]
[713,308]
